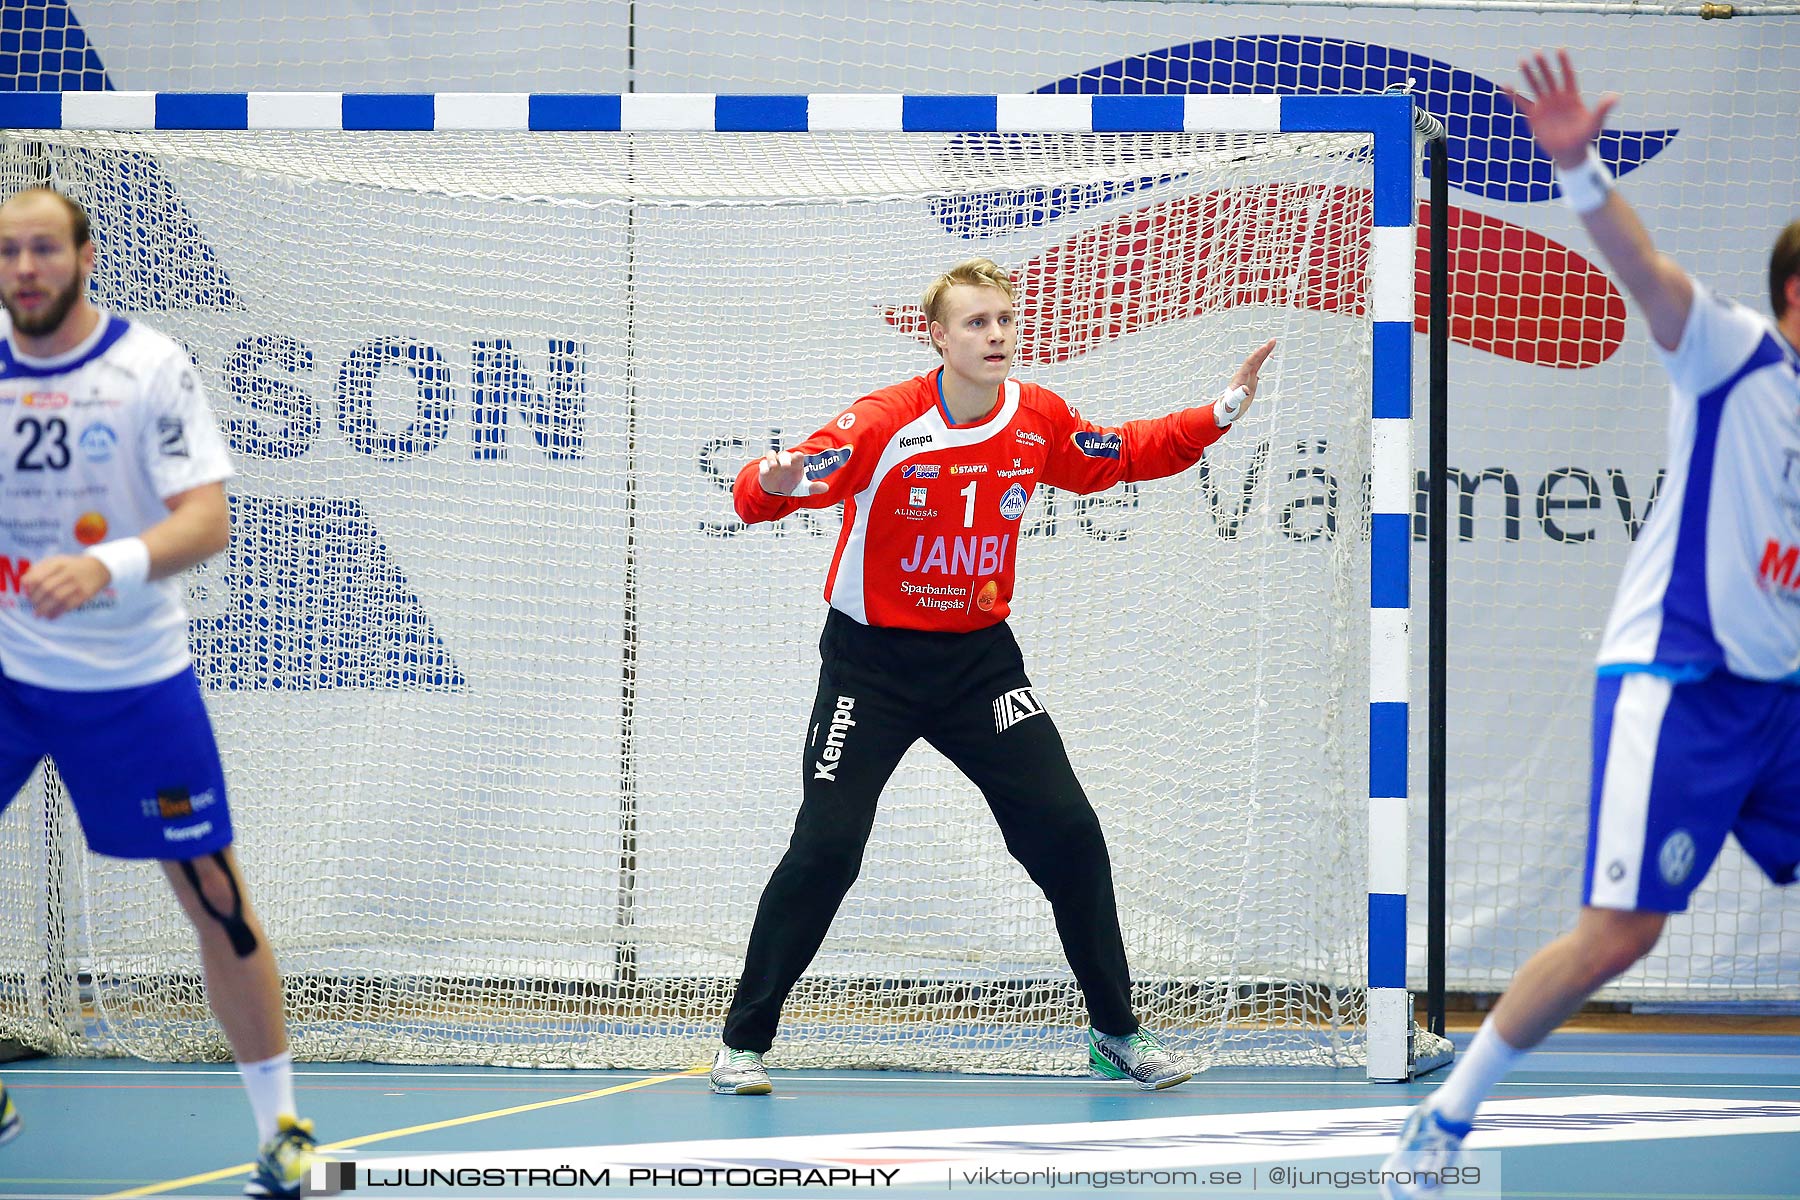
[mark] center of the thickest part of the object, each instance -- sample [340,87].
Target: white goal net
[512,706]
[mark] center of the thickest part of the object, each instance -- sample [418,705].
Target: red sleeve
[1084,457]
[842,455]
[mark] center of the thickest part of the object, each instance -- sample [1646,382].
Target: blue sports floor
[1701,1117]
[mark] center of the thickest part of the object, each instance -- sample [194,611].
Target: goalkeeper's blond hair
[976,272]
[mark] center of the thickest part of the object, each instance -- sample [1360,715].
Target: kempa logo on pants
[826,765]
[1013,707]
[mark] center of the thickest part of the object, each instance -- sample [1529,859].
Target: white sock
[1484,1064]
[271,1087]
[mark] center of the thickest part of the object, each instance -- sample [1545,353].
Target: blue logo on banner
[315,604]
[1489,147]
[152,254]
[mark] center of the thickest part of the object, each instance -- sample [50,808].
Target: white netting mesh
[1707,108]
[512,706]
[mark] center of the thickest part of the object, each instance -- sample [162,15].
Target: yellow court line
[369,1138]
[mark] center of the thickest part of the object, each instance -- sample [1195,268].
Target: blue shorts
[1677,766]
[140,763]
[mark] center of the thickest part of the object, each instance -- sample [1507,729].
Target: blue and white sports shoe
[10,1124]
[1429,1144]
[1140,1057]
[285,1160]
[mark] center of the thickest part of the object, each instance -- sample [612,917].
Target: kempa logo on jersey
[826,765]
[907,443]
[1013,707]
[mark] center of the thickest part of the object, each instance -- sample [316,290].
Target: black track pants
[967,695]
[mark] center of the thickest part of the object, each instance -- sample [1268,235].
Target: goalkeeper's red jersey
[933,510]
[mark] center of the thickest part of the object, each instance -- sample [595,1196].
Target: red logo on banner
[1513,292]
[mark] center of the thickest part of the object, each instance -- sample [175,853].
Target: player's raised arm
[821,471]
[1088,458]
[1565,125]
[783,473]
[1236,401]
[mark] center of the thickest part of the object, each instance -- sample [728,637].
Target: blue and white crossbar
[1387,118]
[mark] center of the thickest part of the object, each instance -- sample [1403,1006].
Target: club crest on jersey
[98,441]
[1015,706]
[1012,505]
[819,465]
[919,471]
[917,497]
[1097,445]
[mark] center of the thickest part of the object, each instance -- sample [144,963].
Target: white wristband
[1585,187]
[1227,407]
[127,558]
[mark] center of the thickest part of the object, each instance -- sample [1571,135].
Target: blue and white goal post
[424,375]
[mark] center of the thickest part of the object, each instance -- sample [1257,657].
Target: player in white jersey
[111,484]
[1697,709]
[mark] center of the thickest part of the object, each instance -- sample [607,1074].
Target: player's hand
[1246,375]
[782,472]
[1559,118]
[63,583]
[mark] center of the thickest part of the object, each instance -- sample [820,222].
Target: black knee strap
[236,928]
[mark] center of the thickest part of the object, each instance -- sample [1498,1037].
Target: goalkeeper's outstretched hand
[1245,377]
[783,473]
